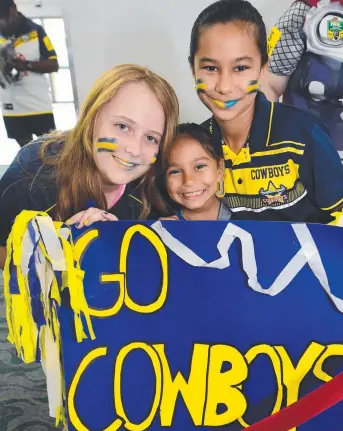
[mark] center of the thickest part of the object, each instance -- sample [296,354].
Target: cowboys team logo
[335,29]
[274,195]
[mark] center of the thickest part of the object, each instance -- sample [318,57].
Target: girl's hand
[173,217]
[91,215]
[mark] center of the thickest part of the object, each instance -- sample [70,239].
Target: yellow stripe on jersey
[136,199]
[278,151]
[287,142]
[48,44]
[29,114]
[25,38]
[270,122]
[337,204]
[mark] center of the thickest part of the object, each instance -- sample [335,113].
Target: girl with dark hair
[279,163]
[193,180]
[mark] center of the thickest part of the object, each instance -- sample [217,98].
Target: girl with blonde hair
[99,170]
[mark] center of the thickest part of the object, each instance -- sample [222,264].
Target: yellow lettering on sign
[222,386]
[330,351]
[293,376]
[84,242]
[85,363]
[192,391]
[155,240]
[153,356]
[264,349]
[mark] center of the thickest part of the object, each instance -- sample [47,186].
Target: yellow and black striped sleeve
[46,48]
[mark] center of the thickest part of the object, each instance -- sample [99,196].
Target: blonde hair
[77,175]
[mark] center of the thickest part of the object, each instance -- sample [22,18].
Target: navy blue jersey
[287,171]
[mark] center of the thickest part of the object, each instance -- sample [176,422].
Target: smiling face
[227,66]
[128,134]
[192,175]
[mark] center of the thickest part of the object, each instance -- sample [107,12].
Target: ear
[221,168]
[264,70]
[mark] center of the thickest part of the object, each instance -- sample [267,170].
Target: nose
[133,147]
[187,179]
[225,83]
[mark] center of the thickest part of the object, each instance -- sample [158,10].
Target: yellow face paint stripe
[252,88]
[218,103]
[201,86]
[107,146]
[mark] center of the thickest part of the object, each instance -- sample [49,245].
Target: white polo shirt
[31,94]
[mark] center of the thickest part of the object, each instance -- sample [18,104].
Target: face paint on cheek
[253,87]
[200,86]
[154,159]
[108,145]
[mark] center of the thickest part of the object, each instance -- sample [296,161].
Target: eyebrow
[236,60]
[207,60]
[244,57]
[193,161]
[129,120]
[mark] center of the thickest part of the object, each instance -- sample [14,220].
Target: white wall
[154,33]
[41,8]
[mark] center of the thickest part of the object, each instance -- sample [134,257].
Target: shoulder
[33,25]
[31,157]
[29,166]
[206,124]
[295,124]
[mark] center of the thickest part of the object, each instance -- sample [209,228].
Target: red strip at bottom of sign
[305,409]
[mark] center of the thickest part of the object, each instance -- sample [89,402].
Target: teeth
[124,163]
[188,195]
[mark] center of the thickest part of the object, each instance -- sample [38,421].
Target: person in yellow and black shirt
[279,163]
[26,102]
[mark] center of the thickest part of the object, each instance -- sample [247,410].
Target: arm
[48,62]
[41,66]
[287,52]
[273,86]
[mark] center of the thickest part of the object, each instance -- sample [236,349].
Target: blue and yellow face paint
[225,105]
[106,145]
[201,87]
[253,87]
